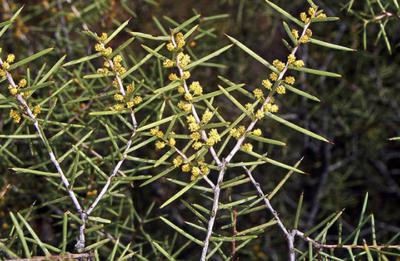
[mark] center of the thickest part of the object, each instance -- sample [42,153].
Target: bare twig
[289,236]
[319,245]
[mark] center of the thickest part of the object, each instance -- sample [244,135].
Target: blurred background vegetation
[358,112]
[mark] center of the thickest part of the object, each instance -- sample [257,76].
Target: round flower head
[177,161]
[247,147]
[267,84]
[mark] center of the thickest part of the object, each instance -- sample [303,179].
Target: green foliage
[165,141]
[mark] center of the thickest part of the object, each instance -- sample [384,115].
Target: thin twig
[113,174]
[319,245]
[124,155]
[289,236]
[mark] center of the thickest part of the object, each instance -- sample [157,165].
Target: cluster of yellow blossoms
[194,127]
[16,89]
[162,141]
[6,64]
[114,65]
[240,131]
[180,61]
[129,100]
[311,13]
[195,168]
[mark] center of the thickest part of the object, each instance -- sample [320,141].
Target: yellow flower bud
[10,58]
[196,88]
[37,110]
[281,89]
[15,116]
[303,17]
[171,142]
[118,97]
[177,161]
[170,47]
[291,58]
[258,93]
[278,65]
[267,84]
[295,34]
[247,147]
[103,37]
[298,63]
[195,136]
[196,171]
[257,132]
[273,76]
[186,75]
[259,114]
[186,167]
[159,145]
[137,100]
[290,80]
[197,145]
[206,116]
[173,77]
[13,91]
[168,63]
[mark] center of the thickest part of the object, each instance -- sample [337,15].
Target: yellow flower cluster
[247,147]
[237,133]
[179,40]
[161,143]
[306,37]
[213,137]
[100,46]
[14,90]
[15,116]
[257,132]
[128,101]
[279,65]
[196,169]
[194,128]
[207,115]
[271,107]
[258,93]
[196,88]
[36,110]
[168,63]
[290,80]
[295,34]
[183,59]
[259,114]
[267,84]
[157,132]
[311,13]
[280,89]
[6,64]
[185,106]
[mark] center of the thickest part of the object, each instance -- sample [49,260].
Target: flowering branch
[194,112]
[81,241]
[240,141]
